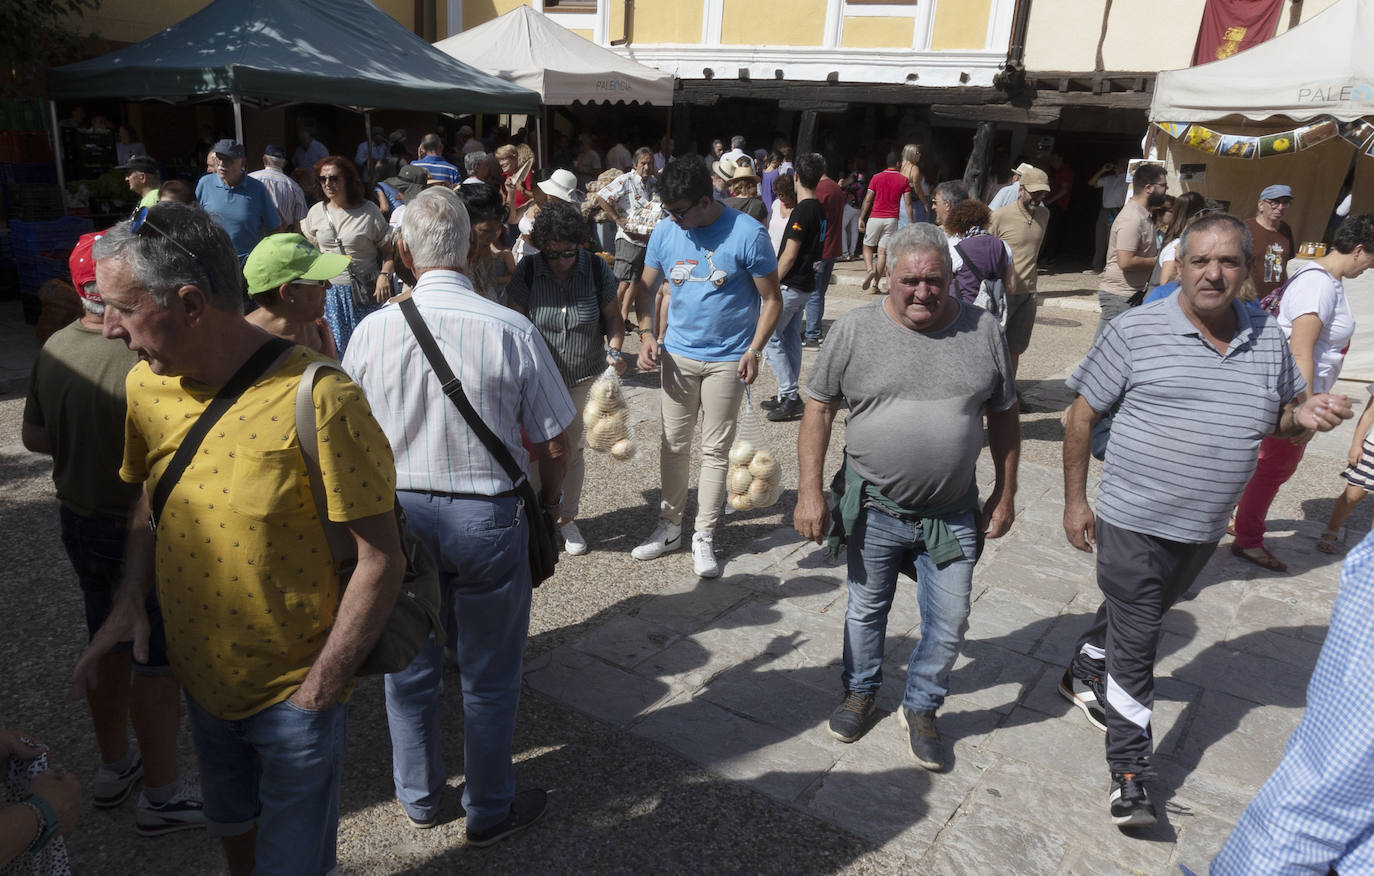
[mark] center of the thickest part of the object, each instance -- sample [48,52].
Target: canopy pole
[57,152]
[367,151]
[238,118]
[539,135]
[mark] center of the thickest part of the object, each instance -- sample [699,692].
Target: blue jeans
[783,350]
[879,548]
[281,767]
[480,544]
[815,305]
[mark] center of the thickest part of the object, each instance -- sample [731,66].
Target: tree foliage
[35,34]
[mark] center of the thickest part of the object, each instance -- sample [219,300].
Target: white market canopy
[1322,67]
[526,48]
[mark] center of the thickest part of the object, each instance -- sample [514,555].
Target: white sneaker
[182,812]
[573,542]
[111,788]
[704,555]
[667,537]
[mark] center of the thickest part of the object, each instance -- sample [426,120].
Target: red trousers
[1278,459]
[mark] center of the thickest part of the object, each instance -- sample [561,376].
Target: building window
[569,5]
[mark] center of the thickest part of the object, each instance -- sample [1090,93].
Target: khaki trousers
[714,390]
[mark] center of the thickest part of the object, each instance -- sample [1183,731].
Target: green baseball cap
[283,258]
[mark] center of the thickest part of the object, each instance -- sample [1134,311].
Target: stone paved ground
[679,723]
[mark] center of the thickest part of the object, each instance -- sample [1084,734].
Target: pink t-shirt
[888,188]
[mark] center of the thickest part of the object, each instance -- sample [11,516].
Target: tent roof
[1321,67]
[525,47]
[342,52]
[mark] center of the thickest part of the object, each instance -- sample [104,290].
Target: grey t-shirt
[916,399]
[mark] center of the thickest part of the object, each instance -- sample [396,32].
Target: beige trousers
[714,390]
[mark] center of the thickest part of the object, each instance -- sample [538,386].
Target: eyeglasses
[679,213]
[565,255]
[301,281]
[140,222]
[331,179]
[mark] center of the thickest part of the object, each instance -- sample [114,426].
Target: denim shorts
[281,768]
[96,548]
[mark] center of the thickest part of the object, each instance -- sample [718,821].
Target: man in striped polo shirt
[1193,378]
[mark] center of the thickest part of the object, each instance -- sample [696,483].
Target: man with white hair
[909,506]
[461,503]
[470,143]
[737,152]
[284,191]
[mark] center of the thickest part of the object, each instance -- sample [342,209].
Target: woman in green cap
[287,278]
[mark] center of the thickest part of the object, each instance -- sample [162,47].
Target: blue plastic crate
[16,174]
[34,272]
[34,239]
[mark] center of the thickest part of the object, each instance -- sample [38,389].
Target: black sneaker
[525,810]
[769,404]
[1130,805]
[926,747]
[789,408]
[848,720]
[1088,695]
[811,343]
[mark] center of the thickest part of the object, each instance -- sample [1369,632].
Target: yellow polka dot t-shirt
[244,574]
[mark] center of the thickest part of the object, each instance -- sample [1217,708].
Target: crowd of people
[198,541]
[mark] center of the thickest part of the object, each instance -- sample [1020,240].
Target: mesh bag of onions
[606,418]
[755,477]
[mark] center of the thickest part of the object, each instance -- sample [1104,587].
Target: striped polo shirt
[498,356]
[567,311]
[1189,420]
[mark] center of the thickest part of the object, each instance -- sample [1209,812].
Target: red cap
[83,265]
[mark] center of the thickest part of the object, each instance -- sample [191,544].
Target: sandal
[1261,557]
[1328,541]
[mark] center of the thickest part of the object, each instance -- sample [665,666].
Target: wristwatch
[758,354]
[49,818]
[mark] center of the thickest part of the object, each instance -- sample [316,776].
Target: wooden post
[976,170]
[806,136]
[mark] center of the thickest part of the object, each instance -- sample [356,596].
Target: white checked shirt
[286,193]
[503,363]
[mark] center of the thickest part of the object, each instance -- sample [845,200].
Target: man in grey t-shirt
[1196,381]
[919,371]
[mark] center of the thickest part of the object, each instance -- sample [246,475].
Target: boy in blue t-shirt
[722,305]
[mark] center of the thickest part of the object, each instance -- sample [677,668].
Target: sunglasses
[140,222]
[333,178]
[565,255]
[678,214]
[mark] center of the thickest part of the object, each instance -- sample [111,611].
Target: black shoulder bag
[543,546]
[228,394]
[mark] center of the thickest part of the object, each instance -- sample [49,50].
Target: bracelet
[42,823]
[614,354]
[758,354]
[386,273]
[643,332]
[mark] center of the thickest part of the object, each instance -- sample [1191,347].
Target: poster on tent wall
[1231,26]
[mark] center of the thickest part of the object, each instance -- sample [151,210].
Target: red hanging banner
[1230,26]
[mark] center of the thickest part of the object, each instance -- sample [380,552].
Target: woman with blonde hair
[913,207]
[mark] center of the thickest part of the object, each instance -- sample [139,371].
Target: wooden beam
[997,113]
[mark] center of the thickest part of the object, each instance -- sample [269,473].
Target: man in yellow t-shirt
[258,632]
[144,179]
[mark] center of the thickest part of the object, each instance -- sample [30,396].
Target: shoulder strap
[248,372]
[968,263]
[341,545]
[453,388]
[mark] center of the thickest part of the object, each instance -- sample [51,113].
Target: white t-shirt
[777,224]
[1313,290]
[1168,254]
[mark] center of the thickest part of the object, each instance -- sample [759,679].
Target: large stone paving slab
[740,674]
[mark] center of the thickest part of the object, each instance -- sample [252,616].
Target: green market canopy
[263,52]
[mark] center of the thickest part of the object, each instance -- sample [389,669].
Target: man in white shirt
[376,150]
[459,501]
[285,192]
[737,150]
[1111,178]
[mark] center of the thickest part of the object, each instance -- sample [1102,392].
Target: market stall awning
[1322,67]
[340,52]
[525,47]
